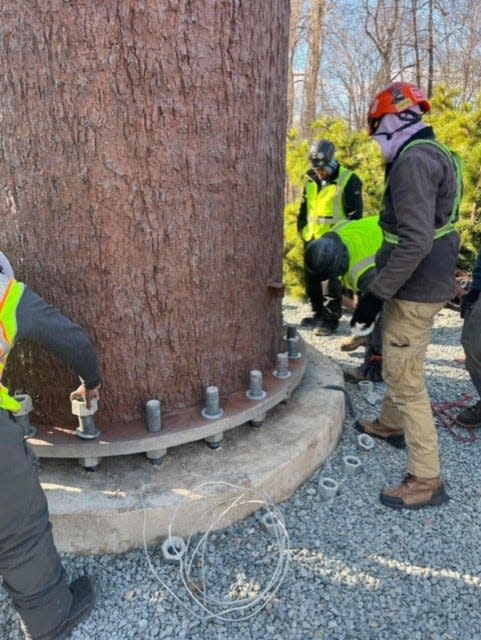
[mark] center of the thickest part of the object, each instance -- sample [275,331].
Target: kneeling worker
[347,252]
[29,563]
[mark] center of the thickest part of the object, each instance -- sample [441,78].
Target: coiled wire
[200,592]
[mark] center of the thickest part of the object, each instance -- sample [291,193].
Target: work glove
[366,310]
[467,302]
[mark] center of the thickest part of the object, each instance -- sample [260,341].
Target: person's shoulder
[354,178]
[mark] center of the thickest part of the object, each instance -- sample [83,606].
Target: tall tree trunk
[293,42]
[430,48]
[313,64]
[417,57]
[141,163]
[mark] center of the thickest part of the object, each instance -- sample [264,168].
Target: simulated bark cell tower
[141,173]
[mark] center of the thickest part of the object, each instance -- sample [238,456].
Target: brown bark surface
[141,172]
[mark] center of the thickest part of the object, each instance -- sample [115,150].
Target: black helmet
[327,257]
[321,156]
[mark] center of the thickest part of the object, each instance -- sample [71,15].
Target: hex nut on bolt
[86,429]
[173,549]
[26,402]
[79,407]
[21,416]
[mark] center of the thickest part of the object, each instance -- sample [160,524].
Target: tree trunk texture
[295,17]
[141,174]
[313,64]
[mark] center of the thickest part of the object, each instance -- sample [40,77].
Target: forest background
[341,52]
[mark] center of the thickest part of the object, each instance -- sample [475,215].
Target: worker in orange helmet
[415,277]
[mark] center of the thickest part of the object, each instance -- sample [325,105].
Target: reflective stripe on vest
[10,293]
[358,269]
[449,227]
[324,207]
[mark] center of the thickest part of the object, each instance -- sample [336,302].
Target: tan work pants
[405,337]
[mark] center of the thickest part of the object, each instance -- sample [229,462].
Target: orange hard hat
[395,98]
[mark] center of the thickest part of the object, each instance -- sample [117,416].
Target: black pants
[325,297]
[29,563]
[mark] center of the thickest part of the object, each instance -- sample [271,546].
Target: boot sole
[467,426]
[439,498]
[395,441]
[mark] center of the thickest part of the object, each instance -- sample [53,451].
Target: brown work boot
[353,342]
[470,418]
[414,493]
[376,429]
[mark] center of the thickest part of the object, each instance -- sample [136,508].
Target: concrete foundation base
[101,511]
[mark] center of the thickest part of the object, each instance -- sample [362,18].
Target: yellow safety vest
[363,239]
[449,227]
[10,293]
[324,207]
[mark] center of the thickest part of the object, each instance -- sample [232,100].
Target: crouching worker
[29,563]
[347,253]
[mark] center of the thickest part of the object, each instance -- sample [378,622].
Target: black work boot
[327,328]
[310,322]
[470,418]
[83,601]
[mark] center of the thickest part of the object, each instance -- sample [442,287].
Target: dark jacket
[419,196]
[351,197]
[42,323]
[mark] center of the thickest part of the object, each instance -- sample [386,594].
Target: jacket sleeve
[43,323]
[366,279]
[302,215]
[352,198]
[413,185]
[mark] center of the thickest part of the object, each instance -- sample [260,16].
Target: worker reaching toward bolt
[29,563]
[415,277]
[347,252]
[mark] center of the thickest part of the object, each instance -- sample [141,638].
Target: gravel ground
[358,571]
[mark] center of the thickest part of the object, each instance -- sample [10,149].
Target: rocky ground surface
[357,570]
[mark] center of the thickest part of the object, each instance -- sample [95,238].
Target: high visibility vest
[363,238]
[10,293]
[449,227]
[324,206]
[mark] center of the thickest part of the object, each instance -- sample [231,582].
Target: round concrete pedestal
[101,511]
